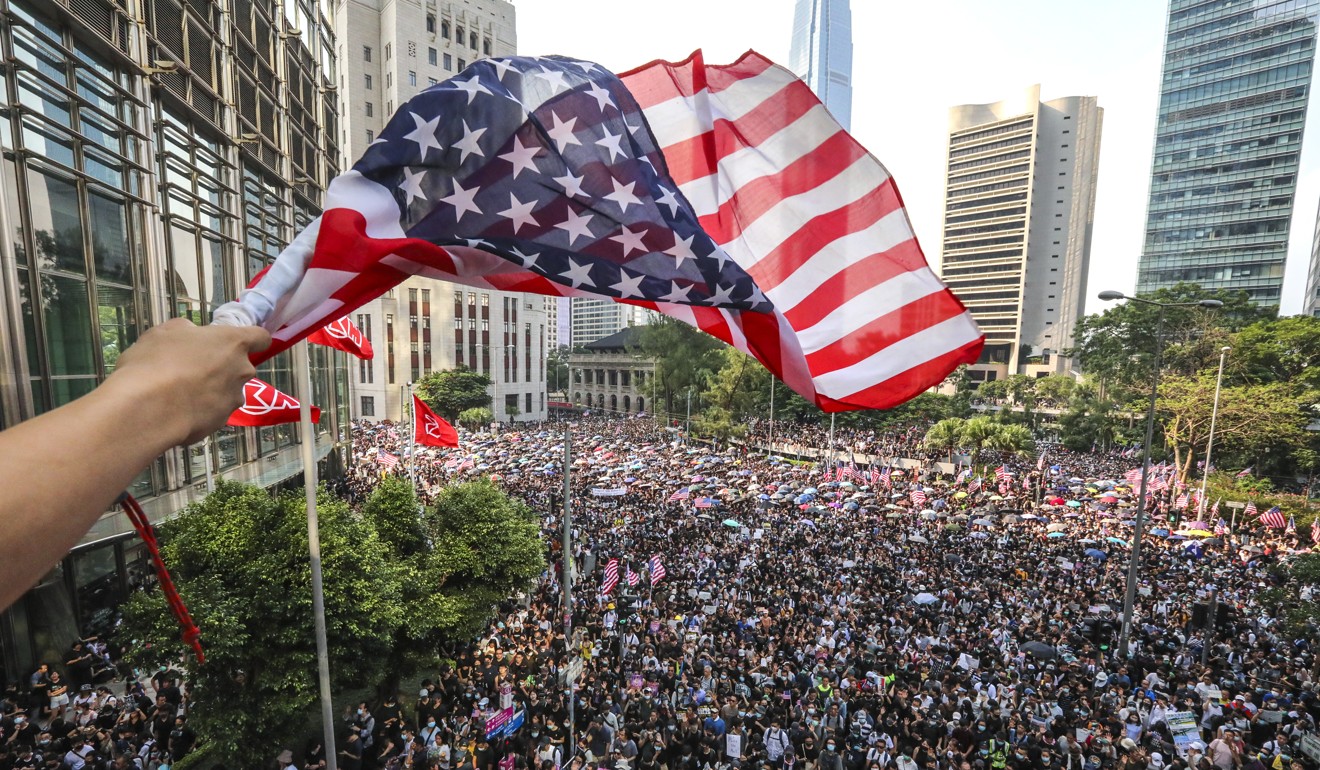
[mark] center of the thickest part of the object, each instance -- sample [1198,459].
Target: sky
[912,61]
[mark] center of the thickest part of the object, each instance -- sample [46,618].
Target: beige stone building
[609,375]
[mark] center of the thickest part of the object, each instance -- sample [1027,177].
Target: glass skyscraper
[1233,98]
[822,53]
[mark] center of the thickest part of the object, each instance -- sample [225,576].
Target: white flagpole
[209,458]
[412,432]
[770,444]
[303,368]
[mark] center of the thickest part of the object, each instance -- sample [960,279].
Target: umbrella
[893,515]
[1160,532]
[1196,532]
[979,535]
[1073,504]
[732,523]
[1096,553]
[1197,525]
[952,557]
[1057,534]
[1040,650]
[996,497]
[983,522]
[1117,541]
[918,539]
[925,598]
[1056,528]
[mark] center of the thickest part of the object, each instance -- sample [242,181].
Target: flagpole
[770,444]
[412,432]
[207,454]
[1210,441]
[302,365]
[568,585]
[831,447]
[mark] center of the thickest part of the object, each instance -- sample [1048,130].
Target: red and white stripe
[611,576]
[657,569]
[861,322]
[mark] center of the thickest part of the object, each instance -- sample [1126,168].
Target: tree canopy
[453,391]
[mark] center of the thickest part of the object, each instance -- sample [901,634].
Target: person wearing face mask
[429,732]
[830,758]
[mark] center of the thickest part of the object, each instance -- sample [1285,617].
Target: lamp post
[1210,442]
[1134,561]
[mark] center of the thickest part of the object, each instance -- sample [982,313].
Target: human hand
[188,378]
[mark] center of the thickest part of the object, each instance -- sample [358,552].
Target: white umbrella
[925,598]
[919,539]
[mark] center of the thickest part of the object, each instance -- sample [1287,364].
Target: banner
[495,725]
[615,492]
[1182,725]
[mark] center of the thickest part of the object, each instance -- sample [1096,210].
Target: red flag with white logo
[343,335]
[429,428]
[264,405]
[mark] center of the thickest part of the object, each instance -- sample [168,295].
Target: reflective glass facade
[821,53]
[1233,99]
[148,172]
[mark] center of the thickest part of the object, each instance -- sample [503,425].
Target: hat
[1196,746]
[1157,759]
[1128,744]
[285,757]
[425,692]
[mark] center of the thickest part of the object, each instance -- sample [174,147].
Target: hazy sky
[914,60]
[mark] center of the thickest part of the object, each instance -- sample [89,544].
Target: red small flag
[263,405]
[429,429]
[343,335]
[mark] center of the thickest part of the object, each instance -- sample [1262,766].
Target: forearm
[62,470]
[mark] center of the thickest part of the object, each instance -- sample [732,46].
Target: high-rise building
[594,319]
[821,53]
[1233,99]
[156,155]
[1311,302]
[1018,213]
[390,50]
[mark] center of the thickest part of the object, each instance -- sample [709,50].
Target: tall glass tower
[1233,98]
[822,53]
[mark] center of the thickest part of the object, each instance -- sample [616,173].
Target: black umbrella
[1040,650]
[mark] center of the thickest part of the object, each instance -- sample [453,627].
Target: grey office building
[821,53]
[1233,98]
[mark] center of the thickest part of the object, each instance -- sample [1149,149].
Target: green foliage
[1088,420]
[475,417]
[453,391]
[684,358]
[239,558]
[1300,617]
[556,369]
[947,435]
[1278,350]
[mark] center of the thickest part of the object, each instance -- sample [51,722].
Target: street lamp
[1134,561]
[1210,442]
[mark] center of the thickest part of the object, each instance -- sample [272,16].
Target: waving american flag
[724,196]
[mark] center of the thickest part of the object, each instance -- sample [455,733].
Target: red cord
[191,634]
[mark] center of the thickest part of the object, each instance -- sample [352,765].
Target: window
[389,79]
[432,56]
[366,53]
[430,23]
[389,106]
[449,63]
[387,51]
[371,136]
[459,34]
[432,81]
[485,49]
[412,78]
[370,109]
[367,80]
[472,40]
[444,30]
[368,406]
[462,65]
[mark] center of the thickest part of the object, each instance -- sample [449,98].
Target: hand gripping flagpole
[301,363]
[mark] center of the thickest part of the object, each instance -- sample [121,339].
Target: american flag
[1181,502]
[1315,530]
[1214,509]
[724,196]
[1158,484]
[467,464]
[705,502]
[1243,472]
[611,576]
[1040,462]
[963,475]
[1026,483]
[1250,510]
[681,494]
[1133,477]
[1002,474]
[386,460]
[633,577]
[657,569]
[918,497]
[1273,518]
[1292,525]
[886,476]
[1221,527]
[974,485]
[875,475]
[851,473]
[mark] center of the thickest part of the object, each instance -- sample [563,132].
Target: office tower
[1233,98]
[156,155]
[821,53]
[1311,302]
[594,319]
[393,49]
[1019,209]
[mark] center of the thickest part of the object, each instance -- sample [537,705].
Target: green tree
[1254,420]
[684,356]
[1088,420]
[1277,350]
[472,549]
[1117,346]
[1056,389]
[1013,439]
[978,434]
[556,369]
[993,392]
[946,435]
[239,558]
[475,418]
[740,387]
[452,391]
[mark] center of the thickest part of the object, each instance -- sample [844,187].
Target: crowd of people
[737,609]
[867,620]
